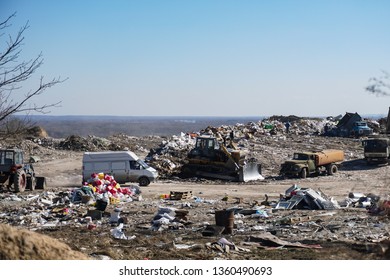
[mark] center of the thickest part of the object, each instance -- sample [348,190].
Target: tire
[20,181]
[303,173]
[332,169]
[143,181]
[31,183]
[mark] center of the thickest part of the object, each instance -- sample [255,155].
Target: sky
[205,57]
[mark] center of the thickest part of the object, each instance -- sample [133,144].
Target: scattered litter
[225,246]
[267,240]
[115,215]
[118,233]
[169,218]
[187,247]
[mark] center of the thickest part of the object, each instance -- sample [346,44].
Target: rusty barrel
[225,218]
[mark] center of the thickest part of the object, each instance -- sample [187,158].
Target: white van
[125,166]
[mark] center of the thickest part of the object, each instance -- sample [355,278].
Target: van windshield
[143,164]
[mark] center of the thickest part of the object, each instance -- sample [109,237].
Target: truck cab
[360,128]
[376,150]
[301,165]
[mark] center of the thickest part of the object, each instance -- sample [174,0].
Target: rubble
[306,198]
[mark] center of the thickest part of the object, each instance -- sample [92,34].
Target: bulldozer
[16,175]
[211,159]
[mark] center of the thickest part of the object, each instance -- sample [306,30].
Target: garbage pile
[360,200]
[49,209]
[374,204]
[306,198]
[169,156]
[117,142]
[169,218]
[78,143]
[103,187]
[296,197]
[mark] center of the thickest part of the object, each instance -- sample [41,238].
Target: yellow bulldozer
[211,159]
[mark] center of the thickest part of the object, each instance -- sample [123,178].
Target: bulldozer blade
[250,172]
[40,183]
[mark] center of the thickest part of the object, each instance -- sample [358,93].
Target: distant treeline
[104,126]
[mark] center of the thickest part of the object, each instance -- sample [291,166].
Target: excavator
[211,159]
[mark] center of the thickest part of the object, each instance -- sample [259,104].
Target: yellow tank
[329,156]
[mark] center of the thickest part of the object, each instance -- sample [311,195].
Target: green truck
[304,164]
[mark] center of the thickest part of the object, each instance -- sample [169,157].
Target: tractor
[16,175]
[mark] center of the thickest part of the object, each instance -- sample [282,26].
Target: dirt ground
[342,234]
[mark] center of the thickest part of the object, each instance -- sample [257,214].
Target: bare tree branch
[13,73]
[379,86]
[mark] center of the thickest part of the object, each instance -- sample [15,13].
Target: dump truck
[351,125]
[212,159]
[304,164]
[376,150]
[360,128]
[17,175]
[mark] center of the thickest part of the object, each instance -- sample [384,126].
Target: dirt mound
[21,244]
[37,131]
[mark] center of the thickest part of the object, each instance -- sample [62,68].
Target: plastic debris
[306,198]
[118,233]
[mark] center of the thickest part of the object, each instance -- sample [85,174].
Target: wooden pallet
[180,195]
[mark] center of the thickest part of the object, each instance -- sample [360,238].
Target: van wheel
[143,181]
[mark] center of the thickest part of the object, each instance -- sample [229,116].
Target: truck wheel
[303,173]
[143,181]
[332,169]
[20,181]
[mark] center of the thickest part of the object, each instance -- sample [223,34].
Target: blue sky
[207,58]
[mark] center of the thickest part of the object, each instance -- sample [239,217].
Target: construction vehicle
[360,128]
[350,125]
[15,174]
[376,150]
[312,163]
[211,159]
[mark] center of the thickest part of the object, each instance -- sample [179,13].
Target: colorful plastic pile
[104,186]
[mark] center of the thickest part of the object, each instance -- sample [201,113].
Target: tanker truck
[304,164]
